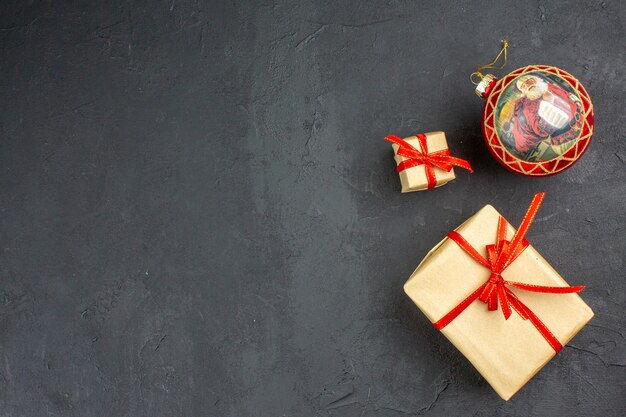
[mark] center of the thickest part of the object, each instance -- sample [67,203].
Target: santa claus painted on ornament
[544,113]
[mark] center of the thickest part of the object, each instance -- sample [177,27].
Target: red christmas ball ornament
[537,120]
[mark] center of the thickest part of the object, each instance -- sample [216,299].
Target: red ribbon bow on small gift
[440,159]
[499,257]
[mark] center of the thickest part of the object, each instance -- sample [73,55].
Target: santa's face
[533,88]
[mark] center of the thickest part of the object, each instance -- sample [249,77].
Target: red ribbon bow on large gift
[499,257]
[440,159]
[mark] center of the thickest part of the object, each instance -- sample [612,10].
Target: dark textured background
[199,216]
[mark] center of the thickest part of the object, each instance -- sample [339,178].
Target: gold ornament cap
[484,85]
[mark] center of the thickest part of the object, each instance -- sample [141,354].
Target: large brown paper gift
[415,179]
[508,353]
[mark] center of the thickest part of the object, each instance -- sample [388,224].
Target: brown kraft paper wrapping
[508,353]
[414,178]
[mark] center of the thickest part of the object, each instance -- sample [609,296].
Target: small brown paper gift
[507,352]
[424,161]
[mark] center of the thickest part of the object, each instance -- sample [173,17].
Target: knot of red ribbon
[440,159]
[496,289]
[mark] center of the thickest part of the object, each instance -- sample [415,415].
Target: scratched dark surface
[199,216]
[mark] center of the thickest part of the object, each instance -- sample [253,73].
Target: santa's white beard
[536,91]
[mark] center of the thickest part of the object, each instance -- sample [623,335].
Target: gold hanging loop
[492,64]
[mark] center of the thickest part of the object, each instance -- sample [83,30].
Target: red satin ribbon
[440,159]
[495,291]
